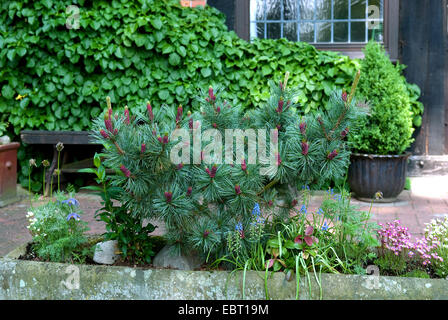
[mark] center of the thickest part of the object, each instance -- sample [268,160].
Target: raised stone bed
[20,279]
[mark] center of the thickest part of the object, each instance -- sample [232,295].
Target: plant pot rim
[9,146]
[381,156]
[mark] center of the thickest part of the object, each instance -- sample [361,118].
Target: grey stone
[167,258]
[106,252]
[24,280]
[5,140]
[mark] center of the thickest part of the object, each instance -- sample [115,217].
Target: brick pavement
[427,199]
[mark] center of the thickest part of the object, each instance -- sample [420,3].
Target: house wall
[228,8]
[422,46]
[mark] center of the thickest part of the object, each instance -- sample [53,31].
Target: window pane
[323,11]
[273,10]
[259,15]
[260,30]
[306,9]
[340,32]
[273,30]
[358,32]
[340,9]
[358,9]
[323,32]
[307,31]
[290,9]
[290,31]
[376,34]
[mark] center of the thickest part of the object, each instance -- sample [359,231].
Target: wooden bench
[38,137]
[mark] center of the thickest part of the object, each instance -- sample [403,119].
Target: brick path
[427,200]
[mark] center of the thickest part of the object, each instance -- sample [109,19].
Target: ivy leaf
[21,51]
[118,53]
[182,51]
[7,92]
[174,59]
[11,54]
[206,72]
[156,23]
[164,94]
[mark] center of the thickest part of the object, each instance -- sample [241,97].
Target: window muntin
[318,21]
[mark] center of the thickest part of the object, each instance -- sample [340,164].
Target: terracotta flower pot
[8,173]
[369,174]
[193,3]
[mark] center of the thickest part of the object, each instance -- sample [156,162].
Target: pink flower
[104,134]
[126,115]
[179,113]
[237,189]
[150,114]
[168,196]
[211,94]
[280,106]
[302,127]
[305,147]
[125,171]
[333,154]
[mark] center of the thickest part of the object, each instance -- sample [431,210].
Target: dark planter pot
[8,173]
[369,173]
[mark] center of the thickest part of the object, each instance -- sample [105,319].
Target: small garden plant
[58,233]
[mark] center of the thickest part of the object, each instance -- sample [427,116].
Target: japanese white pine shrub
[200,203]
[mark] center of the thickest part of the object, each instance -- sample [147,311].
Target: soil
[30,255]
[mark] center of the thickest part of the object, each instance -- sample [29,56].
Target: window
[317,21]
[340,25]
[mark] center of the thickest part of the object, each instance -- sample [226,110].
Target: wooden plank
[74,167]
[53,137]
[423,41]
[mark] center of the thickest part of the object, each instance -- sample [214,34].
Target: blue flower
[239,227]
[73,215]
[330,192]
[305,187]
[303,209]
[71,202]
[325,226]
[320,211]
[256,211]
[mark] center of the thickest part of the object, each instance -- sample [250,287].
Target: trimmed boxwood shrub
[388,129]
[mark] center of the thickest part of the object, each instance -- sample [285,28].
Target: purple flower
[71,202]
[74,215]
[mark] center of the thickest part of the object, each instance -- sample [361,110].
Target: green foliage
[414,92]
[57,237]
[3,126]
[417,274]
[53,78]
[388,129]
[202,202]
[134,241]
[391,264]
